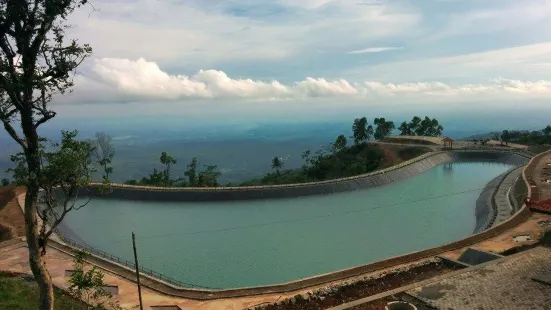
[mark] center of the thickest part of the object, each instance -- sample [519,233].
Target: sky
[293,59]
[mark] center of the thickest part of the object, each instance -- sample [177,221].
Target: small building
[448,142]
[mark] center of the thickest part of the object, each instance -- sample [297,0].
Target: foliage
[535,137]
[339,159]
[209,176]
[421,127]
[36,62]
[191,172]
[361,130]
[277,163]
[65,169]
[206,178]
[89,285]
[339,144]
[168,161]
[5,182]
[384,128]
[104,152]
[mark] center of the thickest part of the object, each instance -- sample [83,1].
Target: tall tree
[384,128]
[104,152]
[168,161]
[5,182]
[429,127]
[339,144]
[209,176]
[36,62]
[361,130]
[65,171]
[191,172]
[277,163]
[506,136]
[405,129]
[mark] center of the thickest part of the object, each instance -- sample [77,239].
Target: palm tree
[277,163]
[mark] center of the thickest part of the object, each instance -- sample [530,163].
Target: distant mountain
[482,136]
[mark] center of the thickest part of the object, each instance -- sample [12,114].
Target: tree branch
[11,131]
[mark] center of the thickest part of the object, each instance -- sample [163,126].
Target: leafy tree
[506,136]
[361,130]
[168,161]
[405,129]
[427,127]
[384,128]
[65,170]
[209,176]
[547,130]
[36,63]
[339,144]
[104,152]
[191,172]
[277,164]
[5,182]
[89,285]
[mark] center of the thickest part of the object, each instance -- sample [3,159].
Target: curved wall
[402,171]
[204,294]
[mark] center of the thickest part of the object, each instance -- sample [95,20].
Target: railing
[104,255]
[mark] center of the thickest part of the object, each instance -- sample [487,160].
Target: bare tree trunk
[36,260]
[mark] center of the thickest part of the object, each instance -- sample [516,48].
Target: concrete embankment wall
[204,294]
[403,171]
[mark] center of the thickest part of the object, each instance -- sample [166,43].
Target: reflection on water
[247,243]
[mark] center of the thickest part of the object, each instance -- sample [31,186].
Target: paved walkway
[503,285]
[15,258]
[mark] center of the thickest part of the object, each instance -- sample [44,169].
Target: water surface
[249,243]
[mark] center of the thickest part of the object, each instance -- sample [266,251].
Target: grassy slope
[21,293]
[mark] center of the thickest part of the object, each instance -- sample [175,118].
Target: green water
[248,243]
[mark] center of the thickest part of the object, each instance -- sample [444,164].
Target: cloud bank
[123,80]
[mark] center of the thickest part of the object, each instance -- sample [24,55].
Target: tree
[384,128]
[104,153]
[168,161]
[339,144]
[405,129]
[277,164]
[64,169]
[89,285]
[427,127]
[361,130]
[36,63]
[506,136]
[191,172]
[5,182]
[209,176]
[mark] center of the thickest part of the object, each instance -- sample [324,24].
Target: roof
[543,206]
[447,139]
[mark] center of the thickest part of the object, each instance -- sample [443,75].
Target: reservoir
[260,242]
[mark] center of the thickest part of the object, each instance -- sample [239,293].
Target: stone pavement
[501,285]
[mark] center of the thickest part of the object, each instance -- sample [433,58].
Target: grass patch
[20,292]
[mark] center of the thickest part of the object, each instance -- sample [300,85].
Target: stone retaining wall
[402,171]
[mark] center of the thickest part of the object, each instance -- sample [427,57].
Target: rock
[305,296]
[322,297]
[293,300]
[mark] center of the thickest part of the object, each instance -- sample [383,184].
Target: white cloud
[523,62]
[141,80]
[204,33]
[374,50]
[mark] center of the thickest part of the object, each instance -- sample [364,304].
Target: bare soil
[12,222]
[366,288]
